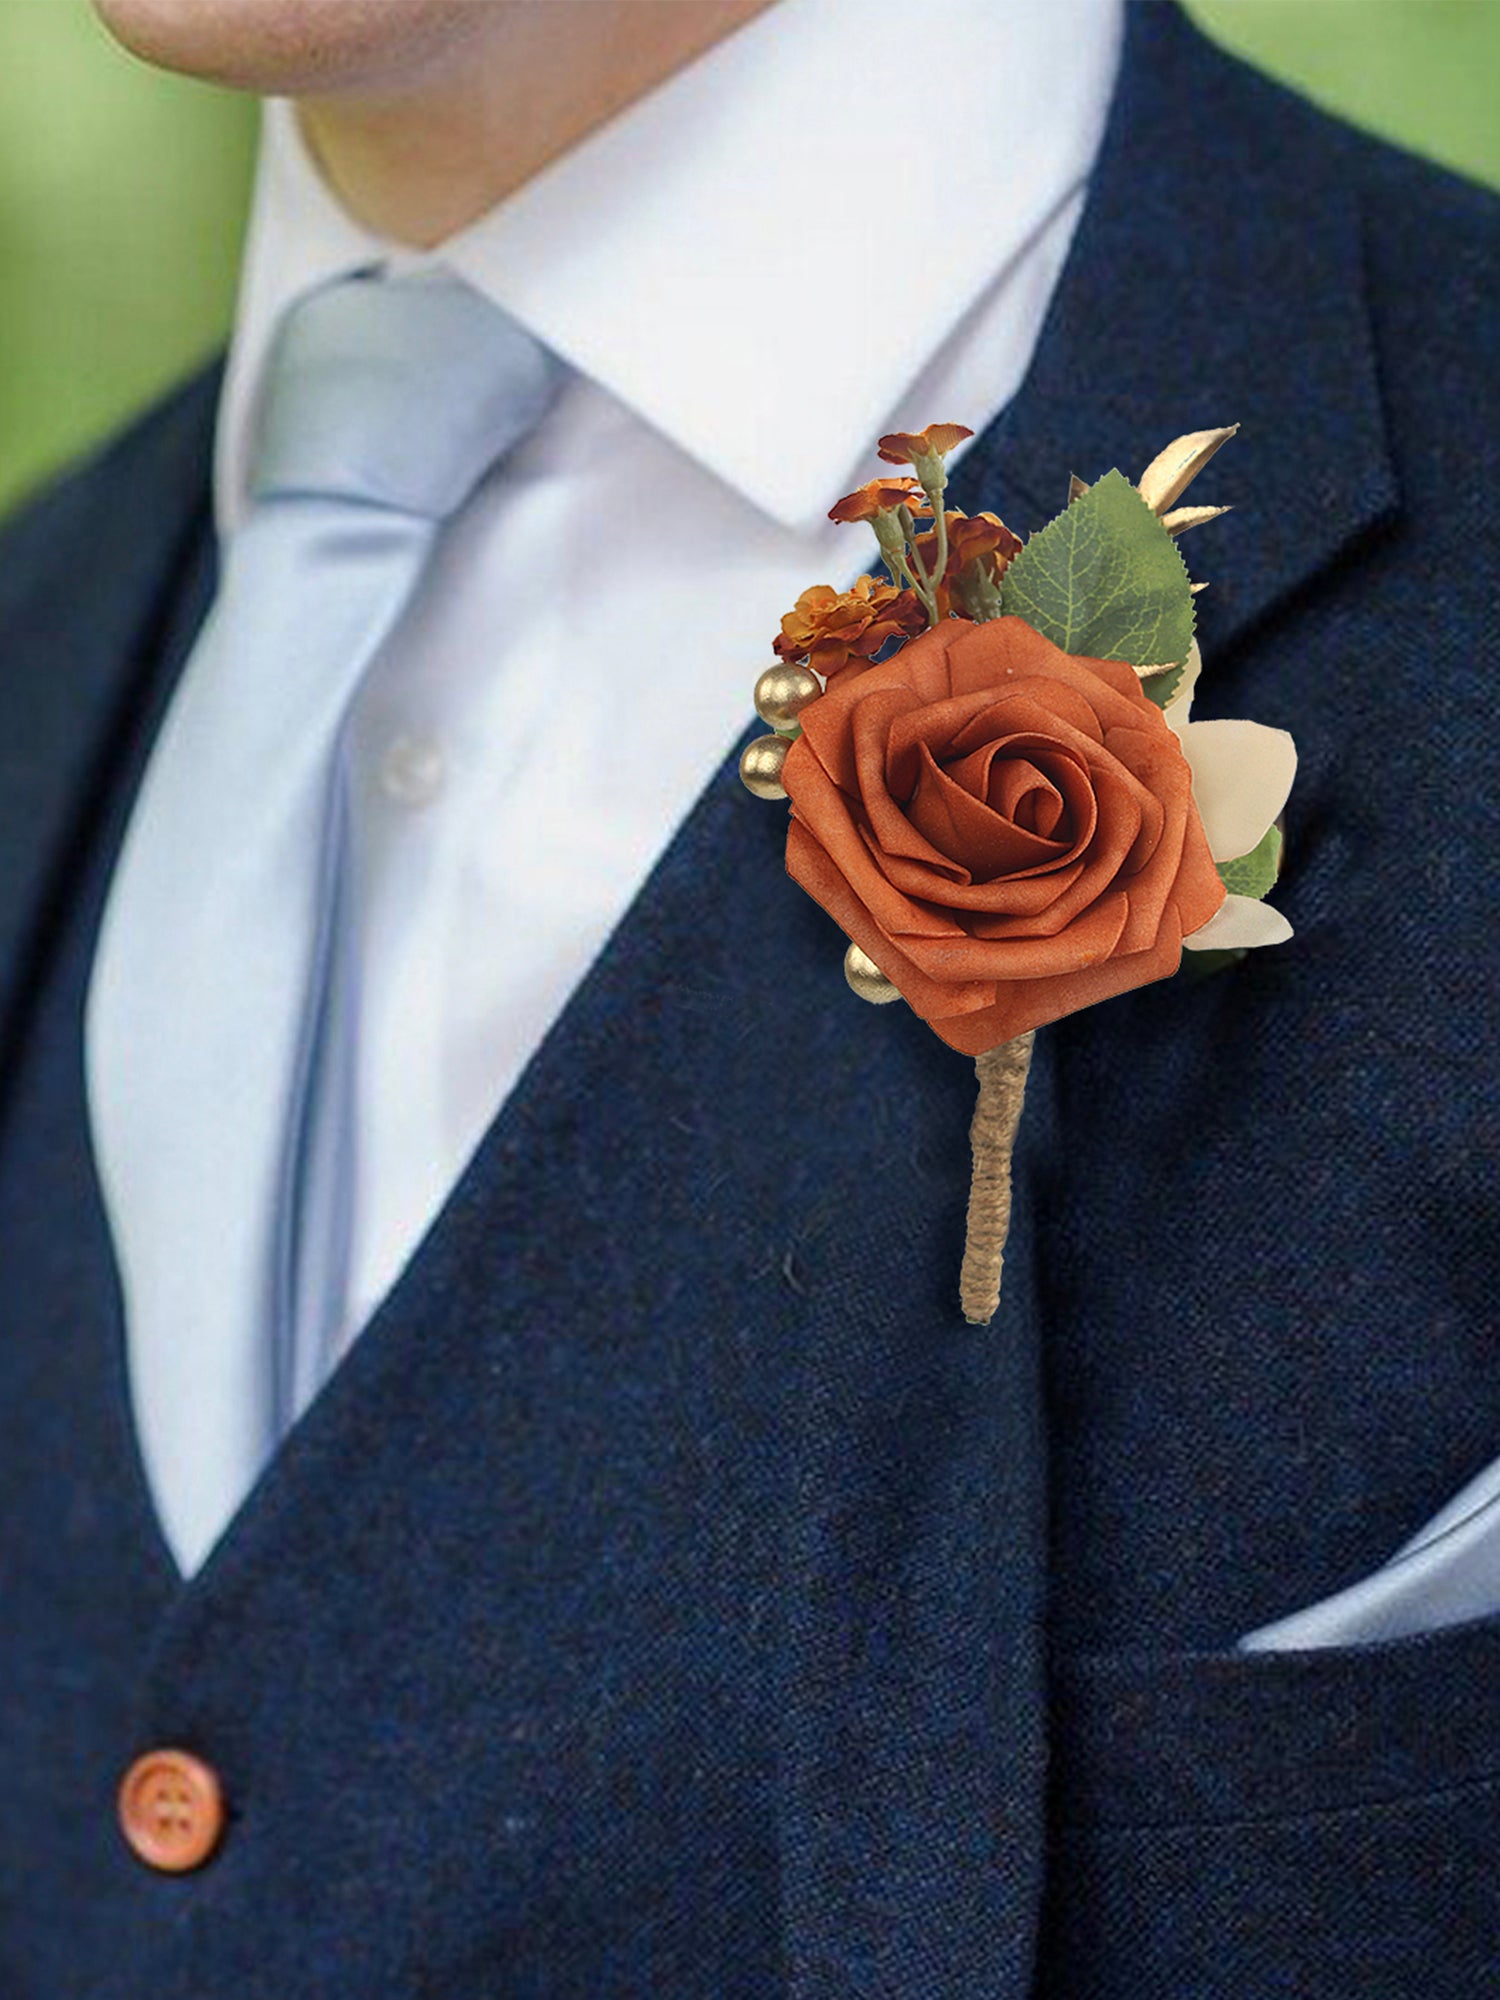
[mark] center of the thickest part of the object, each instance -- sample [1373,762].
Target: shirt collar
[759,257]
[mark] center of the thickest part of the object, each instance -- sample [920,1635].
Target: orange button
[171,1810]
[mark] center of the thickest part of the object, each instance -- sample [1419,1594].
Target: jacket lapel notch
[1198,293]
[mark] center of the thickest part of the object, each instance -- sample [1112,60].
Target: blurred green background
[122,192]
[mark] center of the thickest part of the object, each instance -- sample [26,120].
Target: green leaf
[1198,965]
[1161,687]
[1254,873]
[1105,580]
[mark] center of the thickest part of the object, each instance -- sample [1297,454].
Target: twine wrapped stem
[1002,1091]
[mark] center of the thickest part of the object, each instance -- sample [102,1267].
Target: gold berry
[867,979]
[782,692]
[760,766]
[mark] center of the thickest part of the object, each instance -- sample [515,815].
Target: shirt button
[171,1810]
[412,771]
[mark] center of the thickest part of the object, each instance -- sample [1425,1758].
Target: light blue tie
[223,1013]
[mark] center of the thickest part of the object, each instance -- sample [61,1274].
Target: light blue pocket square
[1446,1574]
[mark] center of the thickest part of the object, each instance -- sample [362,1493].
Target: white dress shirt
[721,267]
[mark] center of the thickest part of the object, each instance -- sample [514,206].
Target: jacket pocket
[1319,1824]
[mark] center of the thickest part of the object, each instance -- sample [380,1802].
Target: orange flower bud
[910,447]
[829,628]
[880,496]
[973,539]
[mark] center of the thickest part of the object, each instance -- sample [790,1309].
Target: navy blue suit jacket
[670,1595]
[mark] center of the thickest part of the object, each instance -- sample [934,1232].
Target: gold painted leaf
[1172,471]
[1180,519]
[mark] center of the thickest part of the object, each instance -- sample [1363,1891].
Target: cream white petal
[1239,924]
[1179,707]
[1242,772]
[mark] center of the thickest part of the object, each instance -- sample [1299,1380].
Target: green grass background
[122,192]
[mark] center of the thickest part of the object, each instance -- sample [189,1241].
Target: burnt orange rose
[1007,830]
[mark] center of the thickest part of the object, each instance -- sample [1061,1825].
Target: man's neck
[529,82]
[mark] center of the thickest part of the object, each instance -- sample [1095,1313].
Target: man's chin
[294,47]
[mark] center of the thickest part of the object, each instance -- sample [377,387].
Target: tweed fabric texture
[669,1596]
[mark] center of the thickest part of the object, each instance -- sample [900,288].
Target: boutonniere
[996,788]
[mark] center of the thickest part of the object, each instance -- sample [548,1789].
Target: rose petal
[818,801]
[1032,1003]
[1111,689]
[1242,772]
[825,880]
[1024,793]
[1089,941]
[953,821]
[1239,924]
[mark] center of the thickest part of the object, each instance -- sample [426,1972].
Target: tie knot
[397,392]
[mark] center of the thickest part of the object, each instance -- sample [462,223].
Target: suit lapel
[90,578]
[1216,277]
